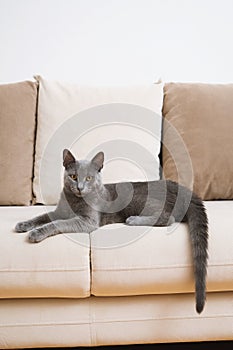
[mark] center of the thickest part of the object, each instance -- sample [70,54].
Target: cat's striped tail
[198,227]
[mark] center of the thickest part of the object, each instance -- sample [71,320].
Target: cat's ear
[98,161]
[68,158]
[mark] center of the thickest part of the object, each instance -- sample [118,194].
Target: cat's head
[82,176]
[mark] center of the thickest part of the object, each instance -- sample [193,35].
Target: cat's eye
[73,177]
[88,178]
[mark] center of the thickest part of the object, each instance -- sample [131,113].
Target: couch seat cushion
[147,260]
[56,267]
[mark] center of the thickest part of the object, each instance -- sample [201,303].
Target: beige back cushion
[202,115]
[124,122]
[17,125]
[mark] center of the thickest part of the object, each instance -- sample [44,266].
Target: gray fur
[86,204]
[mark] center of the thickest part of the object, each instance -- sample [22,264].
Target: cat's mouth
[76,192]
[79,194]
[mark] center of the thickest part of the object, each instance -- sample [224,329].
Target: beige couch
[120,284]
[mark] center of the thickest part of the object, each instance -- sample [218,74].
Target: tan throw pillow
[124,122]
[202,115]
[17,125]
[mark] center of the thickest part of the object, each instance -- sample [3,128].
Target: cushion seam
[55,270]
[131,268]
[115,321]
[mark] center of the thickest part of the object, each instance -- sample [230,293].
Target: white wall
[117,41]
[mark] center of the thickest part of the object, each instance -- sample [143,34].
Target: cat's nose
[80,187]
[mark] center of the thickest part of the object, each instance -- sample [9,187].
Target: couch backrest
[200,114]
[124,122]
[17,125]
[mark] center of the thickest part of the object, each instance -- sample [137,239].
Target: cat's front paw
[23,226]
[133,220]
[36,235]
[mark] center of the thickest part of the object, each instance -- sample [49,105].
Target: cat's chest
[77,207]
[70,206]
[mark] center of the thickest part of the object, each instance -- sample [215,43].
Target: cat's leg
[163,220]
[40,220]
[77,224]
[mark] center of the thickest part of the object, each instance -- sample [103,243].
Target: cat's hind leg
[163,220]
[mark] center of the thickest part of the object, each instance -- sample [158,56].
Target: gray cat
[86,204]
